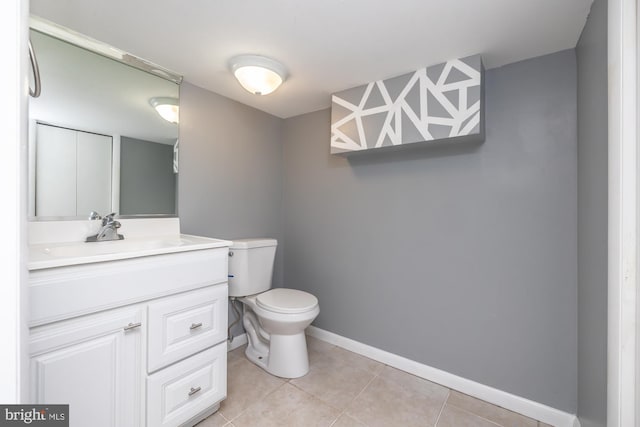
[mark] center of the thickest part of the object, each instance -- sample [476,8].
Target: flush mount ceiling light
[258,74]
[166,107]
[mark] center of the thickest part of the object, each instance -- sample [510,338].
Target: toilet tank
[251,266]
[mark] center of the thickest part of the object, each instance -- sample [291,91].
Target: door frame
[13,244]
[623,378]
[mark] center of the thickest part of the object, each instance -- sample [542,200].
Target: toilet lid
[281,300]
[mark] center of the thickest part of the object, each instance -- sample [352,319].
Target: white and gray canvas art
[443,102]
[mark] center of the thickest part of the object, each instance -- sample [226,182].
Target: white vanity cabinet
[132,342]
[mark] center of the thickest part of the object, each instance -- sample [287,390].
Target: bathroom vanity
[127,332]
[131,332]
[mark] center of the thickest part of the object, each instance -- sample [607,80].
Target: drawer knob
[132,326]
[195,325]
[194,390]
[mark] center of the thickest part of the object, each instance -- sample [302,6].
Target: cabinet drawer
[180,392]
[182,325]
[104,285]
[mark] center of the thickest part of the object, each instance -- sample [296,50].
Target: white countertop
[50,255]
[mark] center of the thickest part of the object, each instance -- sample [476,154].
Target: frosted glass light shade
[167,108]
[258,74]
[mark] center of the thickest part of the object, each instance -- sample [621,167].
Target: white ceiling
[327,45]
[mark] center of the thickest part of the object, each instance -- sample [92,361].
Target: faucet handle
[107,219]
[94,215]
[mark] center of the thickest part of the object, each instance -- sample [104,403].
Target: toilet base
[277,342]
[287,356]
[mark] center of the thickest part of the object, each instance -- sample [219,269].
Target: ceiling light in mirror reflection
[167,108]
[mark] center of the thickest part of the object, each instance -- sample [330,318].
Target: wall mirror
[96,142]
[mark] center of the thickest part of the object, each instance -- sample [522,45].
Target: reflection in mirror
[96,142]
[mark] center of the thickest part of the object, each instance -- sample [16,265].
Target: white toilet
[274,319]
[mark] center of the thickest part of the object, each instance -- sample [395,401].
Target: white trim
[13,174]
[115,173]
[623,214]
[238,341]
[33,129]
[501,398]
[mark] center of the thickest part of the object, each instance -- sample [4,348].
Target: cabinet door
[94,364]
[73,172]
[94,173]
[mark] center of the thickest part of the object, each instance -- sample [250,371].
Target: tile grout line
[336,420]
[449,392]
[223,417]
[319,400]
[480,416]
[519,415]
[254,403]
[376,375]
[442,408]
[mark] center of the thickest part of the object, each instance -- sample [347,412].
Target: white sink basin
[72,253]
[111,247]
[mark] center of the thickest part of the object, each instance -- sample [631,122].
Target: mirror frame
[85,42]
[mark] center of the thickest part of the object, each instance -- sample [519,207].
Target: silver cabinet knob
[195,325]
[194,390]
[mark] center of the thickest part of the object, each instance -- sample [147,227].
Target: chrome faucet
[109,229]
[94,215]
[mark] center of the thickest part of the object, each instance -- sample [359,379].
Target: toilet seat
[286,301]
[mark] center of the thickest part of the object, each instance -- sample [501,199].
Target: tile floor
[344,389]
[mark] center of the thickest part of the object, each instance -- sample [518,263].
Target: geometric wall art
[441,103]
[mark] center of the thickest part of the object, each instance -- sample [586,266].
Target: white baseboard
[238,341]
[509,401]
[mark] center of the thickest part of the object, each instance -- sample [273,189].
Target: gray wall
[462,257]
[230,170]
[592,218]
[147,181]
